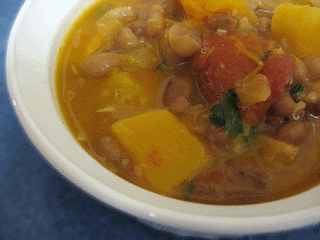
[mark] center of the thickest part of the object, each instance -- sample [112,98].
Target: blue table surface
[36,202]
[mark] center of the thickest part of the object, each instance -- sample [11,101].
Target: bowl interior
[32,51]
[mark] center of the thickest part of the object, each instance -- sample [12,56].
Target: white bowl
[31,57]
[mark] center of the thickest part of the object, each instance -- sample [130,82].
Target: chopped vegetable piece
[109,28]
[203,8]
[123,87]
[256,113]
[188,189]
[181,152]
[253,89]
[296,25]
[297,90]
[227,115]
[226,66]
[140,59]
[274,151]
[279,68]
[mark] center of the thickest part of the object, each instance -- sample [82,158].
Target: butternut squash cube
[298,27]
[274,151]
[200,9]
[163,146]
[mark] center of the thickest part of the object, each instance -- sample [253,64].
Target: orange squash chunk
[163,146]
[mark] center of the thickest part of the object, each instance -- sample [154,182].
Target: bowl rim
[149,212]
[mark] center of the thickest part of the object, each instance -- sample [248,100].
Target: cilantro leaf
[298,89]
[253,131]
[267,54]
[188,189]
[227,115]
[217,116]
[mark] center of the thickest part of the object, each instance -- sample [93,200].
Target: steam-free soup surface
[213,105]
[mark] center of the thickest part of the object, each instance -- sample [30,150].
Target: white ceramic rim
[294,212]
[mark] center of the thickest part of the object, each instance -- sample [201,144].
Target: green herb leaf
[188,189]
[267,54]
[297,90]
[227,115]
[162,66]
[217,116]
[253,131]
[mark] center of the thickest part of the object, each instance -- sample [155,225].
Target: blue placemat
[36,202]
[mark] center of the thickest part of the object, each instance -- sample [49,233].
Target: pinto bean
[247,169]
[155,23]
[300,74]
[296,132]
[178,93]
[101,63]
[171,58]
[221,21]
[264,24]
[126,14]
[183,42]
[314,108]
[284,105]
[312,63]
[110,149]
[174,8]
[126,39]
[137,28]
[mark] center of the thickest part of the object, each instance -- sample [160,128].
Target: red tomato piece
[256,113]
[226,67]
[251,42]
[215,40]
[279,68]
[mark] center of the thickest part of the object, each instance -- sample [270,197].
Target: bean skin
[101,63]
[312,63]
[284,105]
[126,39]
[155,23]
[248,170]
[300,74]
[178,93]
[295,132]
[183,42]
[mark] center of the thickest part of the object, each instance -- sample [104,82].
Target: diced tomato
[225,62]
[256,113]
[215,40]
[251,42]
[200,61]
[226,67]
[279,68]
